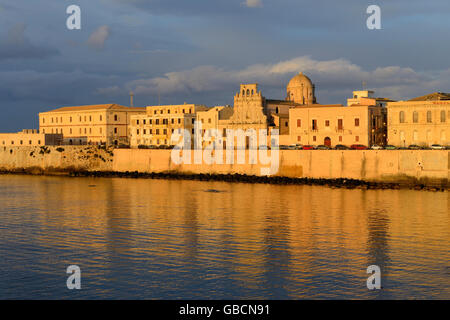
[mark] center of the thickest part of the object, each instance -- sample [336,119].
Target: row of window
[80,119]
[80,130]
[152,141]
[21,142]
[315,126]
[168,111]
[248,92]
[429,115]
[161,121]
[416,136]
[157,131]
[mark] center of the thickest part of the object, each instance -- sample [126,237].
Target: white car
[437,147]
[376,147]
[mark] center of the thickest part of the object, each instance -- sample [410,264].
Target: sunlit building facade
[106,124]
[420,121]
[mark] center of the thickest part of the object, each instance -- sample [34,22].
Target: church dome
[301,90]
[299,80]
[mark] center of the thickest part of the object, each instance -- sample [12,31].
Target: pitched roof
[111,106]
[433,97]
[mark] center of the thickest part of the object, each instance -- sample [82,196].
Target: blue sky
[199,51]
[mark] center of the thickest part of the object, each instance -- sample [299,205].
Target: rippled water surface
[158,239]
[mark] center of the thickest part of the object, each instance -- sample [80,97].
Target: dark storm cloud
[17,46]
[321,14]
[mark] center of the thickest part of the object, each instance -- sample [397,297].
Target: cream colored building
[92,124]
[156,126]
[366,98]
[337,124]
[213,119]
[421,121]
[29,137]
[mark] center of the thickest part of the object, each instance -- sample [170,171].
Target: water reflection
[138,238]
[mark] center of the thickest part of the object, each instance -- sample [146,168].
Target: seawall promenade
[405,167]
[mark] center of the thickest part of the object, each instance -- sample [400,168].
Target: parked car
[298,146]
[284,147]
[437,147]
[308,147]
[376,147]
[291,147]
[322,147]
[414,147]
[390,147]
[358,147]
[341,147]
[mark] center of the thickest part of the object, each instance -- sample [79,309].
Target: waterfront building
[91,124]
[331,125]
[156,125]
[421,121]
[30,137]
[213,119]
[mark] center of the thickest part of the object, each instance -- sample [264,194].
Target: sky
[200,51]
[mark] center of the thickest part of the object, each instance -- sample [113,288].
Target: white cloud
[98,38]
[332,74]
[252,3]
[334,79]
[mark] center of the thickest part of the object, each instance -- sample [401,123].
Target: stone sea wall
[407,167]
[414,167]
[52,159]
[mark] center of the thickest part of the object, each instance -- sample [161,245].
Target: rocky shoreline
[236,178]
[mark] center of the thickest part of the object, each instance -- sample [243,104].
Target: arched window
[248,92]
[401,117]
[415,117]
[252,92]
[429,119]
[276,110]
[443,119]
[243,92]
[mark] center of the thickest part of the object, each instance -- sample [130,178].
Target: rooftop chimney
[131,99]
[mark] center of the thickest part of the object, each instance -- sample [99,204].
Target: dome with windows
[301,90]
[298,80]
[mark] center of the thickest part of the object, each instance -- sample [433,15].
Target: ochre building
[331,125]
[156,126]
[421,121]
[29,137]
[92,124]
